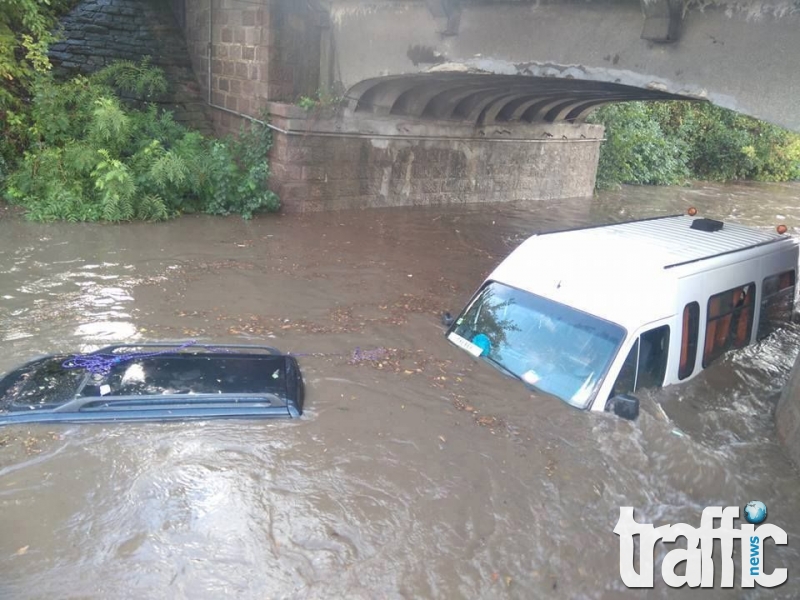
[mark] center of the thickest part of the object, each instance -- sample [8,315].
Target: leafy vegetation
[664,143]
[26,30]
[90,156]
[25,33]
[324,97]
[306,102]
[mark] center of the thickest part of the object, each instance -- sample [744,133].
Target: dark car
[154,382]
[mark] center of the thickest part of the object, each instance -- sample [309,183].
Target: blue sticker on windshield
[483,342]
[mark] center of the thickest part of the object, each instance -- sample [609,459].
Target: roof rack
[734,251]
[187,348]
[587,227]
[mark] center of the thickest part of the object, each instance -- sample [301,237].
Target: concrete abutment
[328,161]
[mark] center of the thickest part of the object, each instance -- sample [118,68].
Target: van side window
[730,321]
[777,303]
[626,380]
[646,363]
[691,324]
[653,352]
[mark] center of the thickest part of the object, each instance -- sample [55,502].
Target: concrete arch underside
[488,99]
[738,55]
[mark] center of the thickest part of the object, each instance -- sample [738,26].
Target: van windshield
[549,346]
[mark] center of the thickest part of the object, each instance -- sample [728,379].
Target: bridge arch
[482,99]
[735,54]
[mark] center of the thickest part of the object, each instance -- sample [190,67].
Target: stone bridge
[471,100]
[443,101]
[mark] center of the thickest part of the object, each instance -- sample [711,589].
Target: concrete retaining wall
[330,161]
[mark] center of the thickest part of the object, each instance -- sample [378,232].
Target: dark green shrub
[139,80]
[636,149]
[667,142]
[92,156]
[27,27]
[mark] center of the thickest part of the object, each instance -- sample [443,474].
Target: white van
[593,315]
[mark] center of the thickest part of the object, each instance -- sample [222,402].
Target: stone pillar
[271,50]
[296,30]
[326,159]
[787,415]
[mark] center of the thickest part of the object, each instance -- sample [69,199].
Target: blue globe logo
[755,512]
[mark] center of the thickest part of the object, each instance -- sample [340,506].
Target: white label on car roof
[465,344]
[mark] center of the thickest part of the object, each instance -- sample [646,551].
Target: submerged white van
[593,315]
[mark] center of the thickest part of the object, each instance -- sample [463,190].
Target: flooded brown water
[421,475]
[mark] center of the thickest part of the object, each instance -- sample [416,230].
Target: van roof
[624,272]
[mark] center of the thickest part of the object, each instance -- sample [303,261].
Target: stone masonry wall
[98,32]
[196,35]
[258,53]
[295,55]
[318,165]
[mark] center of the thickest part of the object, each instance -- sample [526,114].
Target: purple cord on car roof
[101,364]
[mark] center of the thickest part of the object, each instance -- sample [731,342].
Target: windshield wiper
[502,368]
[507,371]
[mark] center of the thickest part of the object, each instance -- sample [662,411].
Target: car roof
[626,273]
[153,382]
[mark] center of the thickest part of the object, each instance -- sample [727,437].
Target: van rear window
[730,321]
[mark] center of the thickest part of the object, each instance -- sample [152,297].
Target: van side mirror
[625,406]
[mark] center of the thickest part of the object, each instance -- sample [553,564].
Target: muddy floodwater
[416,471]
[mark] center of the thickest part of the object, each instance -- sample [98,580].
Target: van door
[645,365]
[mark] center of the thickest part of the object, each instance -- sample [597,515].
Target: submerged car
[594,315]
[154,382]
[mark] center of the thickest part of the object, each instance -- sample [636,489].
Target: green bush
[637,151]
[669,142]
[27,28]
[93,157]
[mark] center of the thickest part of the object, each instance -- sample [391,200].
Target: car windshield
[549,346]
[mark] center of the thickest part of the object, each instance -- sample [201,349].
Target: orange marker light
[781,229]
[692,211]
